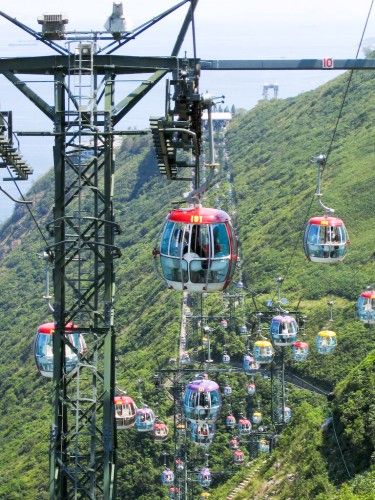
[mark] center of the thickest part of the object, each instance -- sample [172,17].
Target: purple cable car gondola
[202,401]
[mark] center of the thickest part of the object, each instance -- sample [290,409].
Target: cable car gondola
[250,365]
[264,446]
[227,390]
[234,444]
[256,417]
[300,351]
[244,426]
[198,250]
[283,330]
[202,401]
[326,342]
[160,432]
[230,422]
[251,389]
[125,411]
[205,477]
[202,433]
[366,307]
[167,477]
[326,240]
[144,419]
[284,417]
[75,345]
[238,457]
[263,351]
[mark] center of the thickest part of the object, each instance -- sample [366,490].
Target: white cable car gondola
[198,250]
[238,457]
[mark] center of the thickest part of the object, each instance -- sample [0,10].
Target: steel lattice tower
[83,444]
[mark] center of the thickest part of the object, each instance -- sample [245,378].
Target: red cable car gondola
[125,412]
[366,307]
[75,345]
[198,250]
[326,239]
[160,432]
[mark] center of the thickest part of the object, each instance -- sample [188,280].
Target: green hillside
[274,183]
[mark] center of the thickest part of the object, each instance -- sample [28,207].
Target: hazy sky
[239,29]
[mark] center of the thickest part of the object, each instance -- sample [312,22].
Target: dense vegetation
[274,184]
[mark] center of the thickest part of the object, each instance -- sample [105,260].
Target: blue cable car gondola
[300,351]
[75,346]
[144,419]
[263,351]
[366,307]
[227,390]
[198,250]
[202,433]
[202,401]
[256,417]
[326,240]
[264,446]
[326,342]
[283,330]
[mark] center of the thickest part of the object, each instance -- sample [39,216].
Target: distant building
[272,86]
[220,119]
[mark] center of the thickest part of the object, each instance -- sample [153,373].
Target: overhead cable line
[332,138]
[29,209]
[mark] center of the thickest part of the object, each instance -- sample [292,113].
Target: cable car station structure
[85,117]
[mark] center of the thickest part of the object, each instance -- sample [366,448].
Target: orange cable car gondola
[198,249]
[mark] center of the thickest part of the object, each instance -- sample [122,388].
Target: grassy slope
[274,184]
